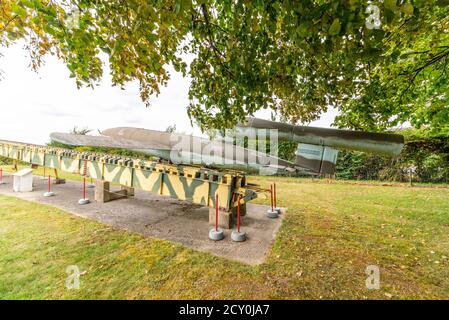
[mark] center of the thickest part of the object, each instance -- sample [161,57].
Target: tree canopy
[380,63]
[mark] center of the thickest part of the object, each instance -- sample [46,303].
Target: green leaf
[390,5]
[19,10]
[335,27]
[407,8]
[178,5]
[303,29]
[294,57]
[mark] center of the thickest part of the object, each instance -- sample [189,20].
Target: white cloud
[32,105]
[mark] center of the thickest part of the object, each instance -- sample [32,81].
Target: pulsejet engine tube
[378,143]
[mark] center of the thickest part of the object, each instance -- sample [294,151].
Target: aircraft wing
[165,145]
[100,141]
[105,141]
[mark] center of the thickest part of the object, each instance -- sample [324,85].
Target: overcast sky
[35,104]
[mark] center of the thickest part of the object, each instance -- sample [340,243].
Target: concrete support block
[58,181]
[129,191]
[103,192]
[120,194]
[242,210]
[225,218]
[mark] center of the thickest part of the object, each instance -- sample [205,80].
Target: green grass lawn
[330,234]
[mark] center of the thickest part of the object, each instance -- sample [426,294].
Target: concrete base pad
[164,218]
[238,236]
[49,194]
[104,194]
[216,235]
[273,214]
[83,201]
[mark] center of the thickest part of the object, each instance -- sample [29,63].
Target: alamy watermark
[72,21]
[372,281]
[241,147]
[73,277]
[373,19]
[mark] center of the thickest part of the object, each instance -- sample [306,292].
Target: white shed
[23,180]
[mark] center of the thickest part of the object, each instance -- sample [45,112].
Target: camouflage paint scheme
[373,142]
[195,184]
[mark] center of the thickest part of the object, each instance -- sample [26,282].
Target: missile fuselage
[373,142]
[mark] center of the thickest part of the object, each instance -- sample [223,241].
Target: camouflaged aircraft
[177,148]
[315,154]
[316,147]
[197,169]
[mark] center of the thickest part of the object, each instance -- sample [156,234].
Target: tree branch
[417,71]
[210,41]
[9,22]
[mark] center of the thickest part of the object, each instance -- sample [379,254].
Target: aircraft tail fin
[320,159]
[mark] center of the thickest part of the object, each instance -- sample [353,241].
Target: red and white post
[85,199]
[238,235]
[49,193]
[1,176]
[238,214]
[272,212]
[278,210]
[216,233]
[216,212]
